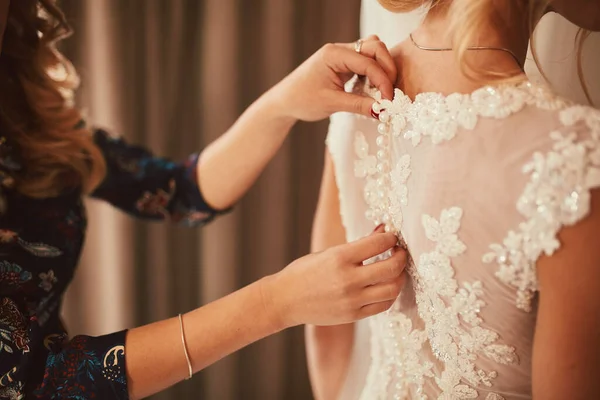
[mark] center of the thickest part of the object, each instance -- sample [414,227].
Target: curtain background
[173,75]
[555,44]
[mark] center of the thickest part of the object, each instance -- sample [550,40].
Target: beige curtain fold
[555,45]
[173,75]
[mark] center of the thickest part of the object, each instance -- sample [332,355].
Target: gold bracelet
[185,350]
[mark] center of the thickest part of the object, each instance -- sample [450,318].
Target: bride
[490,182]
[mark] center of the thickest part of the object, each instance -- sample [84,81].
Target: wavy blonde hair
[467,17]
[37,116]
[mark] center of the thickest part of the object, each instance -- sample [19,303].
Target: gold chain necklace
[418,46]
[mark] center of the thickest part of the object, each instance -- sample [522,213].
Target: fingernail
[379,228]
[374,114]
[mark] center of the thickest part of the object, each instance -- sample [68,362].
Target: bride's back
[478,182]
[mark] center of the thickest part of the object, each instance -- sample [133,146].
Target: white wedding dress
[464,173]
[478,185]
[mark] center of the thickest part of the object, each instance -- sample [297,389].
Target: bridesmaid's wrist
[274,106]
[273,308]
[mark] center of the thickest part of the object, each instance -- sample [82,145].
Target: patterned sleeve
[41,363]
[150,187]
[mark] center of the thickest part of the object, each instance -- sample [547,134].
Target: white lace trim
[438,117]
[557,195]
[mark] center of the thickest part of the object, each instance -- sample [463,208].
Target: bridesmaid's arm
[229,166]
[330,287]
[566,352]
[155,357]
[150,187]
[328,348]
[315,90]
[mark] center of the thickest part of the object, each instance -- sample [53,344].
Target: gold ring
[358,45]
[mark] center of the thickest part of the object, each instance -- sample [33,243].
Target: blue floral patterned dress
[40,244]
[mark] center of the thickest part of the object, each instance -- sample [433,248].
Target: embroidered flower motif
[190,218]
[5,340]
[17,331]
[557,194]
[366,166]
[452,326]
[399,177]
[156,203]
[442,304]
[468,303]
[7,236]
[456,392]
[397,345]
[37,249]
[12,274]
[444,232]
[366,163]
[112,366]
[47,280]
[40,249]
[14,390]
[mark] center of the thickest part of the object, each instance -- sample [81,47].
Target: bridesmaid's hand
[333,287]
[315,90]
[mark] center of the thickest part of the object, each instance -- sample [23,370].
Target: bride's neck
[507,29]
[432,71]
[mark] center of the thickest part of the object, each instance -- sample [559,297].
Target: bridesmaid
[50,159]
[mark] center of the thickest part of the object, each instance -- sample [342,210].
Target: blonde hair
[467,17]
[37,116]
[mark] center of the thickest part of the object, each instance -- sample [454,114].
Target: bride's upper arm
[328,227]
[566,357]
[328,230]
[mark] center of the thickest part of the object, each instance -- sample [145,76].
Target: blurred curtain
[173,75]
[555,45]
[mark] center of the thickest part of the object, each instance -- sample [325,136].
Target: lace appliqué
[399,177]
[366,164]
[381,179]
[439,117]
[557,195]
[451,312]
[377,175]
[396,345]
[453,328]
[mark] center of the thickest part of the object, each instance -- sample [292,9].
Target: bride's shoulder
[556,146]
[570,127]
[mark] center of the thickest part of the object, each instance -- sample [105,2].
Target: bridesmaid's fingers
[374,48]
[343,60]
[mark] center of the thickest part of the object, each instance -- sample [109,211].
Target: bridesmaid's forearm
[155,356]
[230,165]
